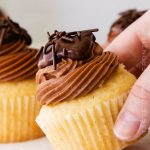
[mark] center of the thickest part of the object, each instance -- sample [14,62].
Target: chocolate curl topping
[74,45]
[11,31]
[54,57]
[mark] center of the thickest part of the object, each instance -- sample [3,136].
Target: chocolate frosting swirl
[126,18]
[11,32]
[75,77]
[17,61]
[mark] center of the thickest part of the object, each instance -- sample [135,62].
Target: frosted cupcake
[18,66]
[82,90]
[126,18]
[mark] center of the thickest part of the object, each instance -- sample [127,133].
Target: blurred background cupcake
[18,66]
[126,18]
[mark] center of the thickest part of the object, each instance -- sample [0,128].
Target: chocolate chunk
[74,45]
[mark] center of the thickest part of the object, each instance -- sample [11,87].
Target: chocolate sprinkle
[54,58]
[68,39]
[39,52]
[48,34]
[64,52]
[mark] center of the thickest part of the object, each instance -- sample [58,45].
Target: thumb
[134,119]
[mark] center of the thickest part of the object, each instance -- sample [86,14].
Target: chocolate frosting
[11,31]
[17,61]
[75,75]
[126,18]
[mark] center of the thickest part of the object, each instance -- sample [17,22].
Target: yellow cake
[18,108]
[81,97]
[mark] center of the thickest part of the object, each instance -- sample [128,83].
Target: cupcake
[126,18]
[18,66]
[82,90]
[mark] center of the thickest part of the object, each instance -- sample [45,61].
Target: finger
[134,118]
[129,44]
[142,65]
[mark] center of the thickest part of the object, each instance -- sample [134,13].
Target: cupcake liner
[87,129]
[17,119]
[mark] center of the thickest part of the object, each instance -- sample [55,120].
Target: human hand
[133,49]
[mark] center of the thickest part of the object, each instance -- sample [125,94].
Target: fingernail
[126,126]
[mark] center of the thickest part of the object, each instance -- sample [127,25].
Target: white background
[40,16]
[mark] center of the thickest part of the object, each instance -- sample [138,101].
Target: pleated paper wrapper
[17,119]
[89,129]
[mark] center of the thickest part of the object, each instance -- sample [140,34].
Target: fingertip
[120,137]
[126,126]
